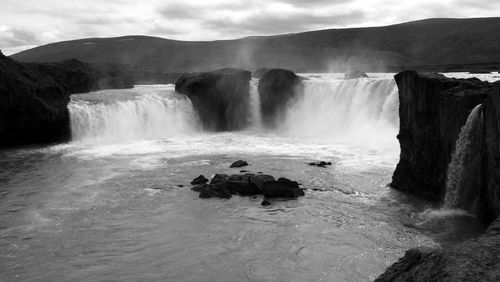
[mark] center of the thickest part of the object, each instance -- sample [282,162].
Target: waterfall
[357,111]
[256,119]
[141,115]
[463,170]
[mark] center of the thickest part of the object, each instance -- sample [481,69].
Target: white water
[255,104]
[358,111]
[141,113]
[460,167]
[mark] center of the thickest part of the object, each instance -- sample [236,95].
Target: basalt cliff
[34,97]
[433,112]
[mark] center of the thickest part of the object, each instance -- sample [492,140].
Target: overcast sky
[28,23]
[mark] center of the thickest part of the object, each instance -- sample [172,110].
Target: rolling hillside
[428,42]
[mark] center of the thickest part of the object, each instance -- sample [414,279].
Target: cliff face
[34,97]
[432,111]
[277,88]
[221,97]
[489,198]
[473,260]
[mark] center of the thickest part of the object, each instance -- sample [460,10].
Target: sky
[25,24]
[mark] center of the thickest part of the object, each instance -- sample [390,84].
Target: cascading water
[256,119]
[463,170]
[119,115]
[358,111]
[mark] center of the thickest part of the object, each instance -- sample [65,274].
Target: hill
[439,43]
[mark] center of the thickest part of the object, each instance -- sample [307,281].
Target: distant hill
[415,44]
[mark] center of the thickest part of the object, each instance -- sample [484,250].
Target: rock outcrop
[432,110]
[354,75]
[221,97]
[489,196]
[277,89]
[34,97]
[224,186]
[473,260]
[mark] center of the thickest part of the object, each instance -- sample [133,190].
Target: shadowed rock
[473,260]
[320,164]
[221,97]
[199,180]
[34,97]
[239,163]
[282,188]
[432,110]
[277,89]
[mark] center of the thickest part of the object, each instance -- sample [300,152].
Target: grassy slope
[426,42]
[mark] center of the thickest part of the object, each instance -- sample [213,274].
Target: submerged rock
[265,203]
[277,89]
[239,163]
[320,164]
[199,180]
[354,75]
[282,188]
[221,97]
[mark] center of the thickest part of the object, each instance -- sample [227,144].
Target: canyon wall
[432,110]
[34,97]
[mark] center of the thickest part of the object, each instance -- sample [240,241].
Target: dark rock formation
[259,73]
[265,203]
[221,97]
[320,164]
[489,196]
[432,110]
[199,180]
[282,188]
[223,186]
[354,74]
[239,163]
[277,89]
[472,260]
[34,97]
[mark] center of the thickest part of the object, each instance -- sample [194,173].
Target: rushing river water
[115,203]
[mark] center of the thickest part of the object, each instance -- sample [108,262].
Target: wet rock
[221,98]
[34,97]
[354,75]
[433,108]
[200,187]
[199,180]
[239,163]
[265,203]
[473,260]
[260,179]
[218,178]
[282,188]
[214,191]
[277,88]
[320,163]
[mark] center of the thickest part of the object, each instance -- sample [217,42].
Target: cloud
[27,23]
[272,23]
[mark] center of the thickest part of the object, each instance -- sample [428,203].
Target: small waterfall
[463,170]
[141,116]
[255,118]
[357,111]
